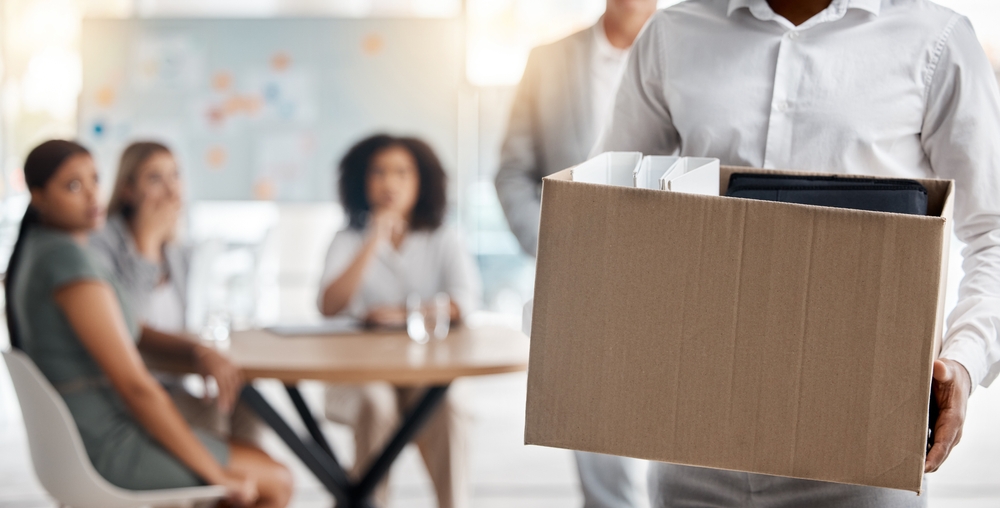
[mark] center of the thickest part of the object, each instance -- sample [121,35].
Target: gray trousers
[673,486]
[609,481]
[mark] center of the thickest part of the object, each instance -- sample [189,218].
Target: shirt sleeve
[461,277]
[343,248]
[66,263]
[961,136]
[518,180]
[640,120]
[136,275]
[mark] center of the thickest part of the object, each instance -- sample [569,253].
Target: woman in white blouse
[393,190]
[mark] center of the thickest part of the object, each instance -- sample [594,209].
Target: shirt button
[783,106]
[792,35]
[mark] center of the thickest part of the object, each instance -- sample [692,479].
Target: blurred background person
[393,192]
[66,312]
[140,245]
[563,102]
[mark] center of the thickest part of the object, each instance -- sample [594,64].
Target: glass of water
[426,318]
[216,329]
[441,309]
[416,326]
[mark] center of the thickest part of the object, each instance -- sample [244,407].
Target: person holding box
[66,311]
[562,104]
[395,246]
[888,88]
[139,245]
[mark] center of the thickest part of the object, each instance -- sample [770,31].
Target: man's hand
[950,388]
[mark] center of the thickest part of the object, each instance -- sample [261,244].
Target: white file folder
[693,175]
[608,168]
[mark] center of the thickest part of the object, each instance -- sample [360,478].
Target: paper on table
[329,326]
[608,168]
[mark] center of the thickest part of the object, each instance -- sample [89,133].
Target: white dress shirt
[607,64]
[898,88]
[426,263]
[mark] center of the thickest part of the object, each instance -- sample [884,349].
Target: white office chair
[60,459]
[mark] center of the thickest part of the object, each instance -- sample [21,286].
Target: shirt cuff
[968,351]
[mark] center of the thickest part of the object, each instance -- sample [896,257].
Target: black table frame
[316,453]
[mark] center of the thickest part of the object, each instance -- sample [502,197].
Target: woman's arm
[338,293]
[95,315]
[207,361]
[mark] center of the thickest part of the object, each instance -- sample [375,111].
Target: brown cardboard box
[746,335]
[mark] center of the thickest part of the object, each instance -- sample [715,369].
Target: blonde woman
[139,245]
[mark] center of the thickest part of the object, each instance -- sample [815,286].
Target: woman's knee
[283,482]
[378,405]
[274,480]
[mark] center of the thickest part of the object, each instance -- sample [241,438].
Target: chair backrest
[57,451]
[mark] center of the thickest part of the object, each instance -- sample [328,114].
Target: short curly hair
[428,212]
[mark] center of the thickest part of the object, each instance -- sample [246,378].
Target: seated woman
[65,311]
[139,244]
[393,190]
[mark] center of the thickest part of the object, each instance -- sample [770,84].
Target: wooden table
[366,357]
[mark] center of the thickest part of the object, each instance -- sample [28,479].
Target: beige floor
[508,474]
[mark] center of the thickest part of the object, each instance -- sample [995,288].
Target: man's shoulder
[925,12]
[689,18]
[559,48]
[689,9]
[921,22]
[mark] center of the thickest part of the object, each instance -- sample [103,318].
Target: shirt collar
[761,10]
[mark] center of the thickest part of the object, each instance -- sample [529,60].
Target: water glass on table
[426,318]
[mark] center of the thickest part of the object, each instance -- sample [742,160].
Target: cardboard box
[754,336]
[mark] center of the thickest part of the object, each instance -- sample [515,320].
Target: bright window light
[52,82]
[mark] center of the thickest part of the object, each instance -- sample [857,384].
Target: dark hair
[41,164]
[428,212]
[134,156]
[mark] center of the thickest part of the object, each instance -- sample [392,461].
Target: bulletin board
[265,108]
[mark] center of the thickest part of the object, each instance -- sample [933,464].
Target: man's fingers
[942,373]
[947,434]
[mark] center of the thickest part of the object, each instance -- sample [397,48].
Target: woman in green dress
[65,311]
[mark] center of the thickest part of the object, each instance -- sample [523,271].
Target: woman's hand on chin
[387,225]
[154,224]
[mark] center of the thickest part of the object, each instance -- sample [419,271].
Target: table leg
[308,419]
[318,456]
[412,424]
[323,466]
